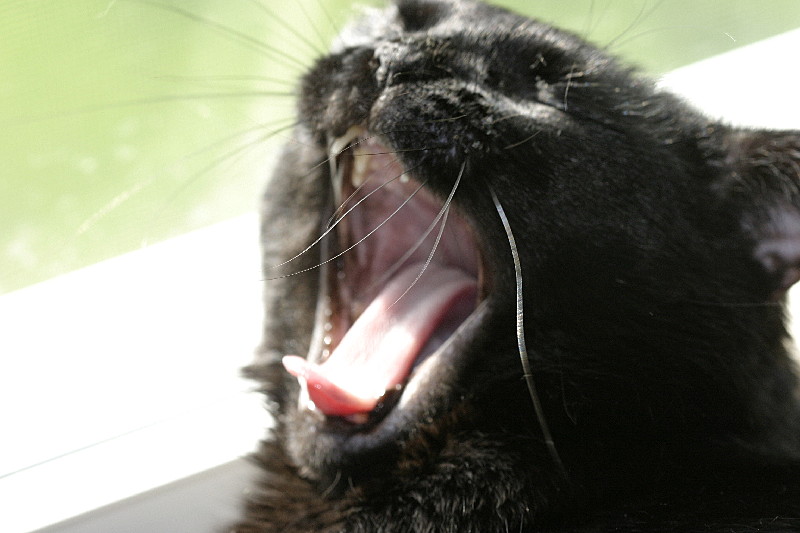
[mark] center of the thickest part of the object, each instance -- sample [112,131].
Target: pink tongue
[378,351]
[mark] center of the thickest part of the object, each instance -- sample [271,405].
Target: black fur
[656,248]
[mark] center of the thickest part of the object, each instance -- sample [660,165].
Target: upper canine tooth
[361,158]
[338,145]
[361,162]
[335,148]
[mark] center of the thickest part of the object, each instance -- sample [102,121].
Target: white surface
[756,85]
[120,379]
[123,376]
[203,502]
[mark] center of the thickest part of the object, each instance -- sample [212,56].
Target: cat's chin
[404,292]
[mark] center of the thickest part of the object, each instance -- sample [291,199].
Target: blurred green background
[125,122]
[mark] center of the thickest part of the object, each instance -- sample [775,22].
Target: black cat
[528,292]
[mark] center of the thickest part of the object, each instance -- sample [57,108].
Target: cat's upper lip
[403,276]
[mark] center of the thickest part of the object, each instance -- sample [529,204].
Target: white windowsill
[120,402]
[123,376]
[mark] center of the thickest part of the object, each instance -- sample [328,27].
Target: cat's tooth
[337,175]
[338,144]
[358,418]
[334,148]
[360,165]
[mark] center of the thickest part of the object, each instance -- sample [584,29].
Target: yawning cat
[514,287]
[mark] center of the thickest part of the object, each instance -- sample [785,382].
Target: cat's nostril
[417,15]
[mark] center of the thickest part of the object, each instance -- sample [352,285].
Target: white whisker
[333,223]
[443,212]
[521,346]
[362,239]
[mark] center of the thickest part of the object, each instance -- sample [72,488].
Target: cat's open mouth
[401,276]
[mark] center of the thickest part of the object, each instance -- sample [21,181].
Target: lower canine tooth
[358,418]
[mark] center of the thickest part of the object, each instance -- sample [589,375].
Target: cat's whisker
[169,98]
[568,79]
[337,478]
[284,24]
[214,164]
[523,141]
[333,26]
[335,218]
[158,210]
[640,18]
[340,212]
[223,79]
[313,26]
[258,141]
[402,259]
[362,239]
[591,22]
[442,214]
[521,345]
[259,45]
[246,131]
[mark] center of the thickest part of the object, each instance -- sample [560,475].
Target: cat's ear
[761,178]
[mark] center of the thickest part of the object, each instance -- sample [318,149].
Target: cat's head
[463,181]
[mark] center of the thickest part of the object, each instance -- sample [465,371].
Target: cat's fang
[361,166]
[339,144]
